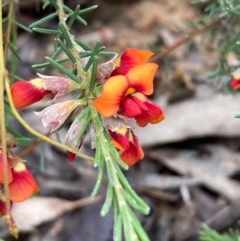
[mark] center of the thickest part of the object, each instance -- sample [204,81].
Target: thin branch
[185,39]
[3,133]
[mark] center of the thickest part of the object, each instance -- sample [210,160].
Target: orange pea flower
[25,93]
[127,143]
[130,58]
[22,184]
[125,94]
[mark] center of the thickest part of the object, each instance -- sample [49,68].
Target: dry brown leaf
[207,115]
[38,210]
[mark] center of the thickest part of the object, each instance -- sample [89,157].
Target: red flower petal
[130,107]
[23,185]
[130,58]
[71,156]
[152,115]
[235,84]
[134,153]
[25,93]
[119,138]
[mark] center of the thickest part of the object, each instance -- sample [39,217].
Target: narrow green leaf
[42,157]
[71,12]
[93,75]
[133,203]
[20,139]
[47,64]
[144,207]
[90,60]
[111,171]
[25,28]
[89,9]
[101,167]
[46,3]
[138,227]
[73,16]
[62,69]
[47,31]
[101,53]
[118,223]
[66,36]
[58,50]
[66,50]
[52,3]
[128,229]
[14,50]
[108,201]
[43,20]
[82,45]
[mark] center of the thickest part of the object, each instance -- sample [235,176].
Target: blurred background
[191,170]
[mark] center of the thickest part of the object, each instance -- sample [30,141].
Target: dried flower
[59,86]
[55,115]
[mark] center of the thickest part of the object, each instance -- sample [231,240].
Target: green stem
[3,129]
[9,26]
[81,74]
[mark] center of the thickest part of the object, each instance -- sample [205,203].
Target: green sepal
[82,122]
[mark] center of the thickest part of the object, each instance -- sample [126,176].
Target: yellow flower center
[20,167]
[140,96]
[122,131]
[38,82]
[117,62]
[130,91]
